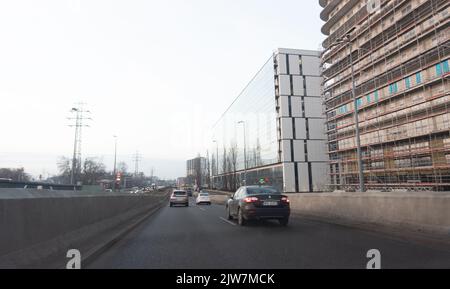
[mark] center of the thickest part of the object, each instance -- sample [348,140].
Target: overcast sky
[156,73]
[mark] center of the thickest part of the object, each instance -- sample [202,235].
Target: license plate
[270,204]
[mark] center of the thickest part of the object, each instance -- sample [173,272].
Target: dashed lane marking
[227,221]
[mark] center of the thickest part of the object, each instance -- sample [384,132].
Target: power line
[136,158]
[80,114]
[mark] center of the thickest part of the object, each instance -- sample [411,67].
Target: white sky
[157,73]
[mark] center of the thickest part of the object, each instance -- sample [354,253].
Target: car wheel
[284,222]
[241,219]
[171,205]
[230,217]
[187,205]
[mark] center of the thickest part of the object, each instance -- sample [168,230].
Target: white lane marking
[227,221]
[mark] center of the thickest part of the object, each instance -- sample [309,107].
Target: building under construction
[399,51]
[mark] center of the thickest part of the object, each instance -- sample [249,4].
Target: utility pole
[136,158]
[80,114]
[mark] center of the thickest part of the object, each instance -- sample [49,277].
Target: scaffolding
[401,62]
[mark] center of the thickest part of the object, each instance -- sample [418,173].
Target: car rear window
[204,194]
[259,191]
[179,193]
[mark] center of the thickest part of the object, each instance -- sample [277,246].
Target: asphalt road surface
[200,237]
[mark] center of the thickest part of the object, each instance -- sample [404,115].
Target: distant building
[196,172]
[274,131]
[181,182]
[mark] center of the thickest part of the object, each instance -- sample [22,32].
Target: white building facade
[275,129]
[301,120]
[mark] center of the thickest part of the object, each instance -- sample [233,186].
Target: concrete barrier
[39,227]
[427,212]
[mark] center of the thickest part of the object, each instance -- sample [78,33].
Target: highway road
[199,237]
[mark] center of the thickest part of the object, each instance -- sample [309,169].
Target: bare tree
[64,165]
[258,158]
[233,153]
[214,165]
[229,175]
[93,170]
[253,158]
[15,174]
[225,169]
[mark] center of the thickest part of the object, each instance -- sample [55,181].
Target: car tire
[171,205]
[241,220]
[187,205]
[284,222]
[230,217]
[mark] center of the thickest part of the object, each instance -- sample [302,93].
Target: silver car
[179,197]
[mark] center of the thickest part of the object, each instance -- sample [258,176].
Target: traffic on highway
[224,144]
[262,238]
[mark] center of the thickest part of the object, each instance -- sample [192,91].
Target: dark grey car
[258,203]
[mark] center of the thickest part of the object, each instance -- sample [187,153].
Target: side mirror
[231,197]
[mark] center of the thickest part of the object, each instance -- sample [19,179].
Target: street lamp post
[245,152]
[217,162]
[357,131]
[347,41]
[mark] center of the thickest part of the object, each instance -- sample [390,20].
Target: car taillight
[251,199]
[285,200]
